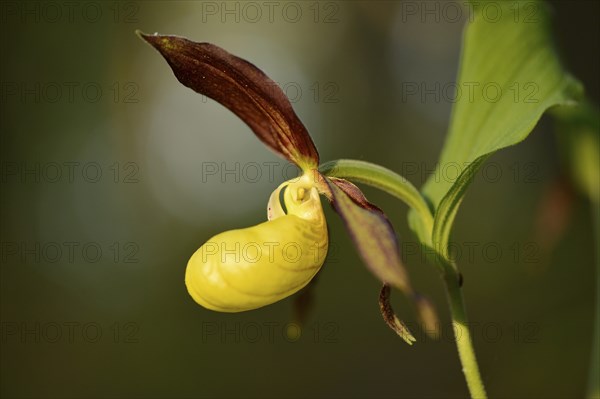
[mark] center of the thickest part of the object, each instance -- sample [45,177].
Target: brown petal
[374,237]
[244,89]
[390,317]
[371,232]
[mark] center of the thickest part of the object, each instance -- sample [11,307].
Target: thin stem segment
[593,391]
[462,336]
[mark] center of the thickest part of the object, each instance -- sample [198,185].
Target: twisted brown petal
[390,317]
[242,88]
[374,237]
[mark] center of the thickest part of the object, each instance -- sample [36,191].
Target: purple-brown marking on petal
[242,88]
[371,232]
[355,193]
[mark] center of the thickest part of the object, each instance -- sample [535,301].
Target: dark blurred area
[113,174]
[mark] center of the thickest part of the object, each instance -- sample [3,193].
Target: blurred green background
[105,193]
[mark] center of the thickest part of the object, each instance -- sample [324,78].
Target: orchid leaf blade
[510,75]
[448,207]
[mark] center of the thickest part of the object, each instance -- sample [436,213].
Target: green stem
[462,336]
[593,391]
[396,185]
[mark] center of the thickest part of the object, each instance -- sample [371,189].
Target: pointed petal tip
[390,317]
[427,316]
[147,37]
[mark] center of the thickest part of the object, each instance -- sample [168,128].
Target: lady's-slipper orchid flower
[253,267]
[283,254]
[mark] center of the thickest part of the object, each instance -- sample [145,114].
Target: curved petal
[375,240]
[242,88]
[371,232]
[390,317]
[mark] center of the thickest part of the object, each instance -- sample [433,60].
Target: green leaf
[509,75]
[446,211]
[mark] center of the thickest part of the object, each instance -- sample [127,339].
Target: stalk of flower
[219,283]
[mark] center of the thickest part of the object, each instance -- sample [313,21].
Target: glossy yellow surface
[249,268]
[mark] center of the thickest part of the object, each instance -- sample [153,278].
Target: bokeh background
[108,185]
